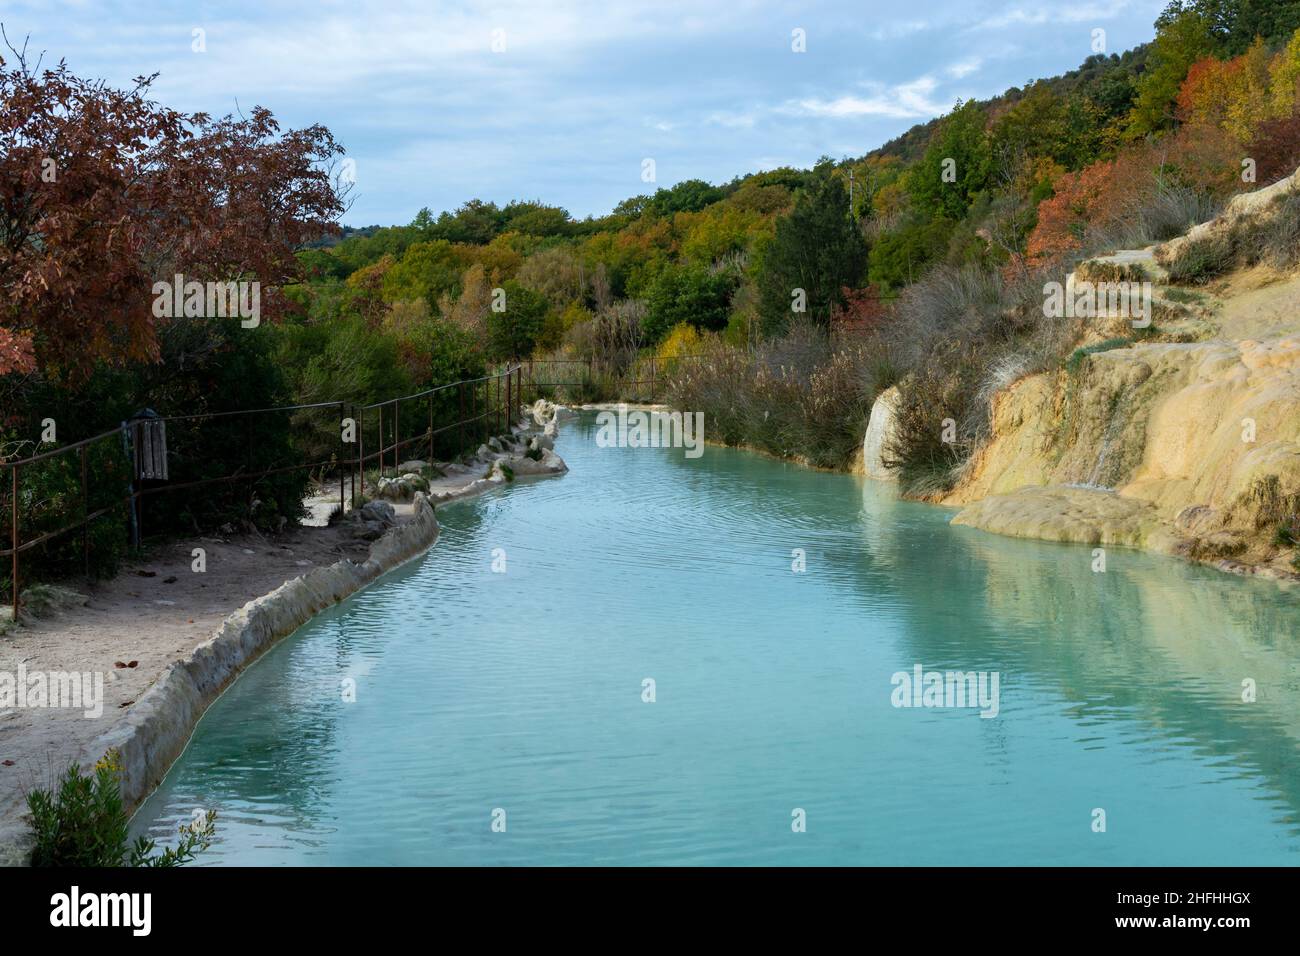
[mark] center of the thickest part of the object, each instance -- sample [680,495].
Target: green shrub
[1270,237]
[1278,238]
[1202,260]
[207,366]
[84,824]
[344,360]
[691,294]
[1074,364]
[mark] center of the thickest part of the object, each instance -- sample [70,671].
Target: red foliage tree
[1062,219]
[863,311]
[1276,148]
[103,192]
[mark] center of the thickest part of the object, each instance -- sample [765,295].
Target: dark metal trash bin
[149,443]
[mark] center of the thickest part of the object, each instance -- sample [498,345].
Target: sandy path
[157,611]
[154,612]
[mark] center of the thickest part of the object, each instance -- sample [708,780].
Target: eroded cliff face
[1188,447]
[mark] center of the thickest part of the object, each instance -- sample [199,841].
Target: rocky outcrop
[1188,447]
[403,487]
[1240,207]
[527,450]
[880,430]
[1064,513]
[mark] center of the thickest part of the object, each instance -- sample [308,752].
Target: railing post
[248,463]
[343,500]
[397,440]
[361,455]
[460,417]
[13,534]
[129,451]
[85,516]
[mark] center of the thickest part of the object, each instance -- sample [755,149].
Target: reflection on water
[523,691]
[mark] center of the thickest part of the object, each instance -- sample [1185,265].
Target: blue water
[522,691]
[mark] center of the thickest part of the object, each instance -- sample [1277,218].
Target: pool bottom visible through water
[490,704]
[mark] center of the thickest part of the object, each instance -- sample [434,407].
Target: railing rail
[488,399]
[473,408]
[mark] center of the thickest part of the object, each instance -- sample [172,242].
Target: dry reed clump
[797,396]
[961,335]
[1270,237]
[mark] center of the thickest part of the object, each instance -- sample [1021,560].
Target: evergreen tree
[817,249]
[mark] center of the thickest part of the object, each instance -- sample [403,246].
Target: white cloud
[732,120]
[898,30]
[902,101]
[1068,13]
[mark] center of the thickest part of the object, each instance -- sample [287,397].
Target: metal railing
[482,407]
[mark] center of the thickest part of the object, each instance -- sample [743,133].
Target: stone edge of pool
[158,727]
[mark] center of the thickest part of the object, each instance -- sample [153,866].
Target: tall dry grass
[800,395]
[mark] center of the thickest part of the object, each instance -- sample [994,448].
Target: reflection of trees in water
[1151,639]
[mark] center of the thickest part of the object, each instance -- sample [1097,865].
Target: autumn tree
[1182,38]
[103,192]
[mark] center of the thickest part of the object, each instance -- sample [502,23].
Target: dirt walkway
[157,611]
[151,614]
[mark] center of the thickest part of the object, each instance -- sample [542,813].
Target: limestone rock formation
[1189,446]
[879,432]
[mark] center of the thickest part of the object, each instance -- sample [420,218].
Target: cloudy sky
[562,100]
